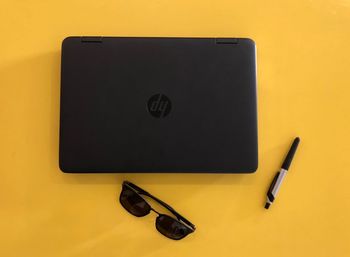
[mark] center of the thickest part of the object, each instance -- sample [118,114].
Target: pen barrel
[290,155]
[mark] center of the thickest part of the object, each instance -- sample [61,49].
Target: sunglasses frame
[139,191]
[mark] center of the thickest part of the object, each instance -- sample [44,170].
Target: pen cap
[290,155]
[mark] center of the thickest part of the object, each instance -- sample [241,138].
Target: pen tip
[267,205]
[297,139]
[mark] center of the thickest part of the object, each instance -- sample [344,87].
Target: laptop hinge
[226,41]
[91,39]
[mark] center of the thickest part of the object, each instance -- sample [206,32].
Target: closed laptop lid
[158,105]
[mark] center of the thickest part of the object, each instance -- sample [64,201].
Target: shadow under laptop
[158,178]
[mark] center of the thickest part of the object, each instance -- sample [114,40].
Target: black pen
[277,181]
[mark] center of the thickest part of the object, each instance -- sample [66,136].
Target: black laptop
[132,104]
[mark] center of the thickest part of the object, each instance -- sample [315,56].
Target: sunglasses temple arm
[141,191]
[178,215]
[136,188]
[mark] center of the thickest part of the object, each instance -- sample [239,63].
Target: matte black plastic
[290,155]
[114,117]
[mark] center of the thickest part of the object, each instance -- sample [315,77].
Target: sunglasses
[131,199]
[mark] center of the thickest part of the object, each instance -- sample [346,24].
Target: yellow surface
[303,87]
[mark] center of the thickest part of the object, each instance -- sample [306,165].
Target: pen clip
[269,193]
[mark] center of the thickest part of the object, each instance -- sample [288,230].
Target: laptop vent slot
[91,39]
[226,41]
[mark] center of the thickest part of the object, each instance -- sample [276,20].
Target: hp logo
[159,105]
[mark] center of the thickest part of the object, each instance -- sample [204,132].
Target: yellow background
[303,89]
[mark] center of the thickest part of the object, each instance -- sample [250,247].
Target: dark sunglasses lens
[134,203]
[171,228]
